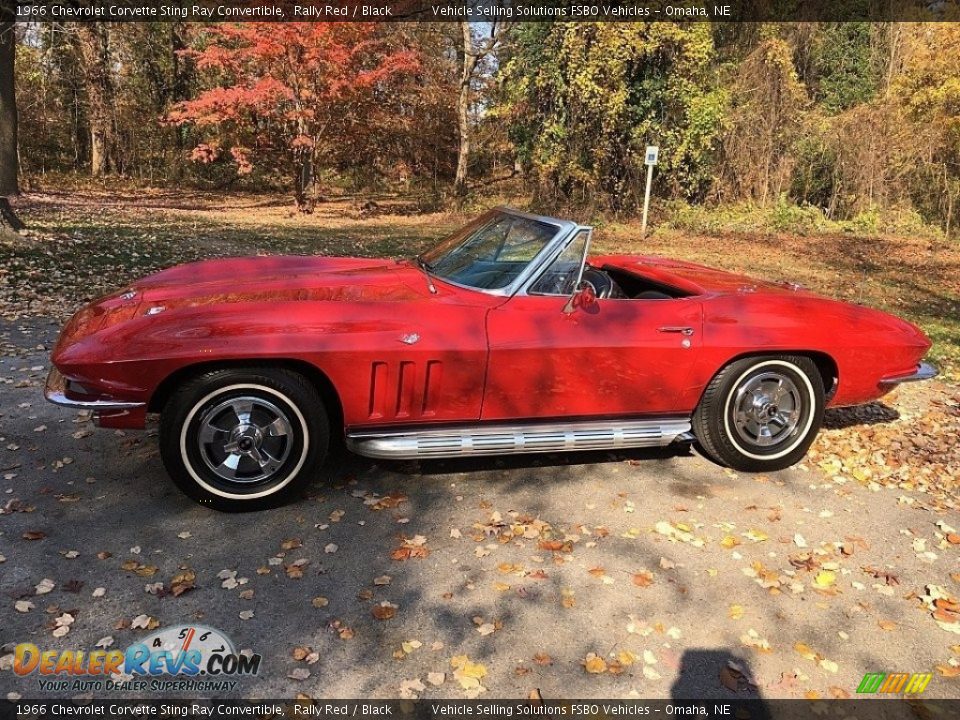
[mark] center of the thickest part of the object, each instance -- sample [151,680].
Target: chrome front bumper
[924,371]
[55,392]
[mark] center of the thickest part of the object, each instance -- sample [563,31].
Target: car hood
[281,278]
[250,279]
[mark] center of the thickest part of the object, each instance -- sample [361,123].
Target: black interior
[615,283]
[603,285]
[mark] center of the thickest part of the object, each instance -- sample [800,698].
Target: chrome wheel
[767,409]
[244,439]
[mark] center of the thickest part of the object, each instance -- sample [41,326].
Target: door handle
[676,329]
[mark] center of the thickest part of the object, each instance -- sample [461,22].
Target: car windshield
[491,253]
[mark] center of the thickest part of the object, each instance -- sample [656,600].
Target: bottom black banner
[757,709]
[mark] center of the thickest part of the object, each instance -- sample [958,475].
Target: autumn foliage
[295,88]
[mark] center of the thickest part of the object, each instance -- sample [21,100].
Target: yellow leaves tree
[585,99]
[929,86]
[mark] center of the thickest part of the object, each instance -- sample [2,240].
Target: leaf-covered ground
[643,574]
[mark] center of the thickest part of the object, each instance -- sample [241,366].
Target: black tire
[266,427]
[761,414]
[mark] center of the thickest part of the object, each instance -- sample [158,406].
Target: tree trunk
[9,161]
[179,92]
[469,63]
[94,50]
[303,165]
[303,157]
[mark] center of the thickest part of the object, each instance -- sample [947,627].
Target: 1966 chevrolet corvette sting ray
[505,338]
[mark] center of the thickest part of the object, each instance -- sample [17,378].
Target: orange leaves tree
[289,91]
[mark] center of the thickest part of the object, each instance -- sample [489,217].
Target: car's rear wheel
[761,413]
[244,439]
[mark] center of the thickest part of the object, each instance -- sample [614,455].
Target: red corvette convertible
[505,338]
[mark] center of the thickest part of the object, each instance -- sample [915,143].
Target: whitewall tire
[761,413]
[244,439]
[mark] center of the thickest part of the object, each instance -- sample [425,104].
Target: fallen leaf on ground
[182,582]
[436,678]
[384,611]
[756,536]
[644,578]
[542,659]
[410,688]
[730,679]
[753,640]
[594,664]
[296,569]
[415,547]
[825,579]
[468,674]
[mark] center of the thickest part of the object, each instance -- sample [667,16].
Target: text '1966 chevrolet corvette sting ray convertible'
[505,338]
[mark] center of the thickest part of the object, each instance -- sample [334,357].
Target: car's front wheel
[761,413]
[244,439]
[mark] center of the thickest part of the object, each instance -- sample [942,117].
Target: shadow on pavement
[717,675]
[874,413]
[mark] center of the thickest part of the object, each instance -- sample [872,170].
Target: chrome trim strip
[55,392]
[492,439]
[58,398]
[924,371]
[555,253]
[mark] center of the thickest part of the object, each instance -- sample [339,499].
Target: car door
[614,357]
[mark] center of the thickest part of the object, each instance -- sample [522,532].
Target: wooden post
[649,159]
[646,201]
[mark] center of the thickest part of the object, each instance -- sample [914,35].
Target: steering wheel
[601,282]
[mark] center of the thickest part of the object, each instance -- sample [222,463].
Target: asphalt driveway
[650,574]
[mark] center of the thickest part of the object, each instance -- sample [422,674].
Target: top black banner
[482,11]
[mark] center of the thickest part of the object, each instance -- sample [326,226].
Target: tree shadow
[873,413]
[718,674]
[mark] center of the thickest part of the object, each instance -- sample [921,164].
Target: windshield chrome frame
[564,230]
[525,291]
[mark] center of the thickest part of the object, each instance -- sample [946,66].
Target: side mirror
[584,296]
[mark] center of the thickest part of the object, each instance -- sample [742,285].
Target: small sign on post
[650,159]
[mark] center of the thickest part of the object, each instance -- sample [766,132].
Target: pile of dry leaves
[909,441]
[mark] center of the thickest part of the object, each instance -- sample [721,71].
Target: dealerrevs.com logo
[182,657]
